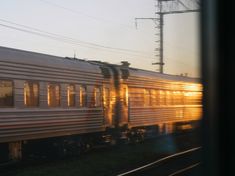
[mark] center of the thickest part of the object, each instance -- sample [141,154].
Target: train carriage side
[162,100]
[43,96]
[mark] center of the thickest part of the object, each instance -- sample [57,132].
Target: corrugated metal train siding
[155,115]
[24,72]
[141,82]
[22,124]
[159,114]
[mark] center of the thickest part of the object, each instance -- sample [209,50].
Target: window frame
[53,83]
[95,96]
[38,102]
[68,95]
[83,101]
[162,97]
[147,92]
[13,93]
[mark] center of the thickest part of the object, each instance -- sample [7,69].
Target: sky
[101,30]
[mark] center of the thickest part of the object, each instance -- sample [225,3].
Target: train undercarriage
[75,145]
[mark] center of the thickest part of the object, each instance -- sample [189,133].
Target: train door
[124,104]
[107,106]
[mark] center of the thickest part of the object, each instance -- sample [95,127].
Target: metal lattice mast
[159,34]
[164,7]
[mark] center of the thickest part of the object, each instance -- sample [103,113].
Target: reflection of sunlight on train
[193,87]
[67,101]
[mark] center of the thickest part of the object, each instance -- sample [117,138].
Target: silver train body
[114,97]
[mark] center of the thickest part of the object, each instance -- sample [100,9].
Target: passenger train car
[73,102]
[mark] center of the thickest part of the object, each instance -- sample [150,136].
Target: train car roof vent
[125,63]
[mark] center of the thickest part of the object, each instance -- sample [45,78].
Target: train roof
[137,72]
[156,75]
[33,58]
[45,60]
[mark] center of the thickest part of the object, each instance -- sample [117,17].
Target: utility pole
[164,7]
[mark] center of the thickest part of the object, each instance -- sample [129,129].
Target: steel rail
[184,169]
[160,160]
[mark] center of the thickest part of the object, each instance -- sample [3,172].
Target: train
[69,104]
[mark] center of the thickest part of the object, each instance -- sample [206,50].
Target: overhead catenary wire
[86,15]
[99,19]
[75,40]
[105,21]
[61,38]
[69,40]
[64,39]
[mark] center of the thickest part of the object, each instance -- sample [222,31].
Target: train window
[71,95]
[97,96]
[181,98]
[31,94]
[168,98]
[6,93]
[189,98]
[158,97]
[162,98]
[53,95]
[177,98]
[153,98]
[193,98]
[136,97]
[83,96]
[147,101]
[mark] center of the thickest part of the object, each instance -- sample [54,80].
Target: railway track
[173,165]
[180,140]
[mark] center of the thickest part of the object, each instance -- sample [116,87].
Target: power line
[84,14]
[62,38]
[129,27]
[164,7]
[59,39]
